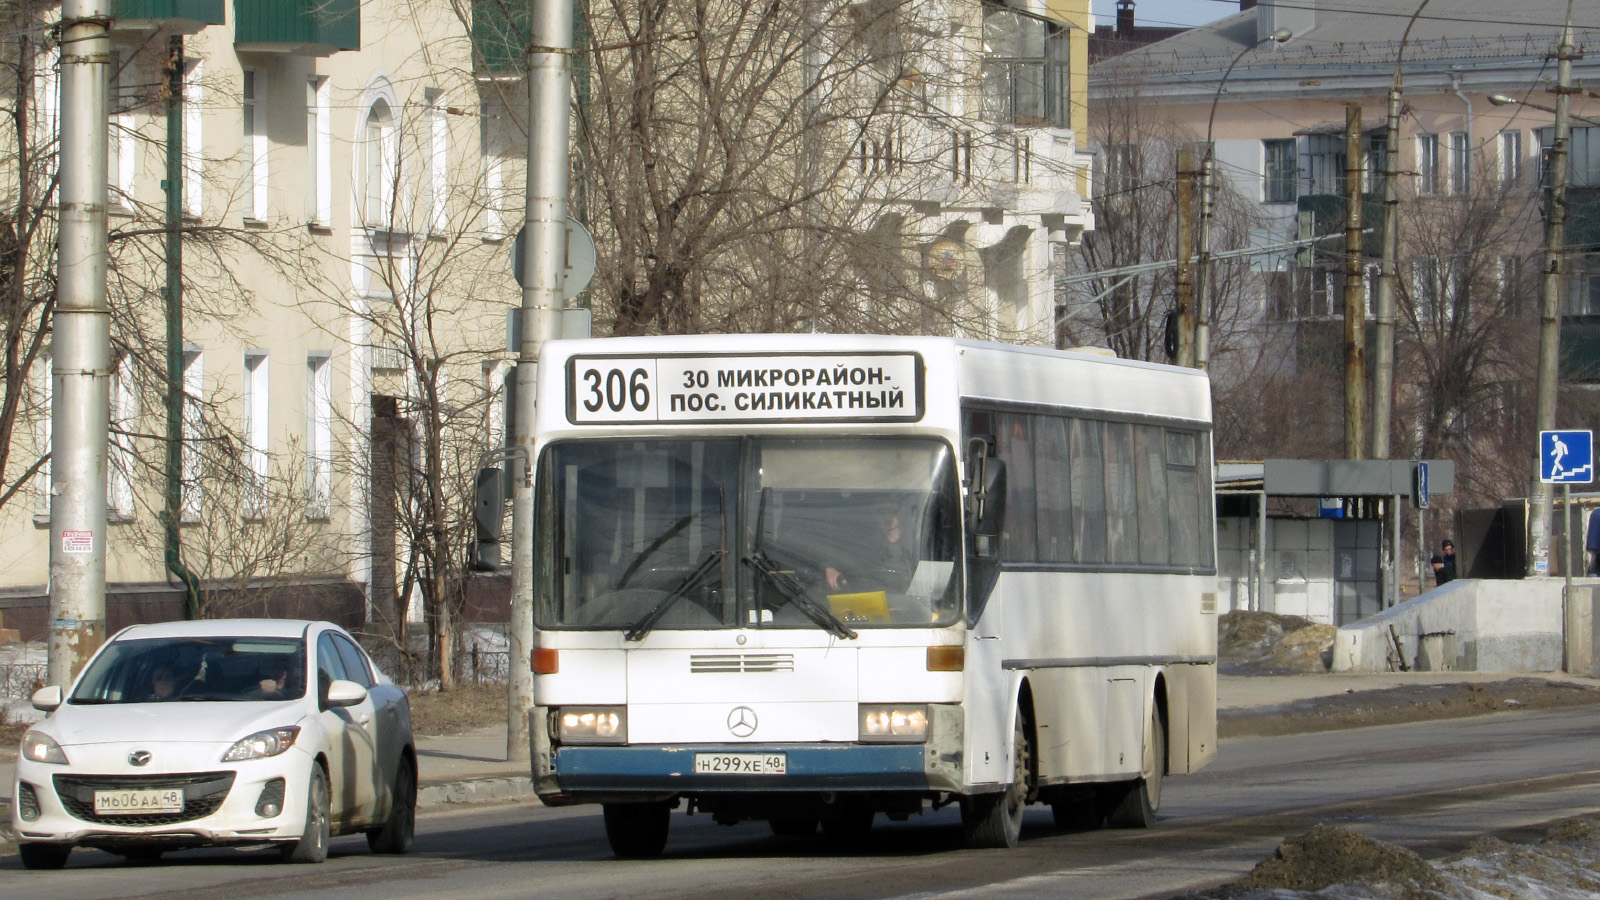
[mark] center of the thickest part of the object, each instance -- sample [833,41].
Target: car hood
[169,722]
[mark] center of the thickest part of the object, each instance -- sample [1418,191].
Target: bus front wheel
[995,820]
[637,830]
[1134,805]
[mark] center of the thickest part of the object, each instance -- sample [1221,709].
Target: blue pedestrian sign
[1566,457]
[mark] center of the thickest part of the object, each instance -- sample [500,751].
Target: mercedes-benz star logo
[742,721]
[139,757]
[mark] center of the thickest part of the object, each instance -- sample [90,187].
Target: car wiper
[691,581]
[783,581]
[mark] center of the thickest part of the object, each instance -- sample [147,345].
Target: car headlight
[262,744]
[591,725]
[41,747]
[898,722]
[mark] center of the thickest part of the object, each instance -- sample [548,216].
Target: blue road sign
[1566,457]
[1422,498]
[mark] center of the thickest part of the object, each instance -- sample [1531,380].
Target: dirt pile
[1331,861]
[1263,643]
[1330,854]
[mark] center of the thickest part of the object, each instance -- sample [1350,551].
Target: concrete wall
[1466,625]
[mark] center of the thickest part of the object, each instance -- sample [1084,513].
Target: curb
[475,790]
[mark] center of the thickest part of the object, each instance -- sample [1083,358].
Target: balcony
[180,16]
[501,33]
[297,27]
[1322,215]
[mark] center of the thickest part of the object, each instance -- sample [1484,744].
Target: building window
[435,161]
[119,467]
[319,153]
[1025,69]
[1511,158]
[1325,163]
[255,144]
[191,471]
[1427,291]
[319,435]
[1282,171]
[378,157]
[120,139]
[493,167]
[1460,164]
[255,433]
[1583,156]
[1121,168]
[1427,164]
[1375,170]
[193,140]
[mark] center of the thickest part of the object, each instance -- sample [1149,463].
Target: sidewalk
[472,767]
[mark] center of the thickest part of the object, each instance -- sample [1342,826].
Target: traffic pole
[544,252]
[81,355]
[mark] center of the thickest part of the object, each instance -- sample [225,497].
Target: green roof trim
[320,26]
[204,12]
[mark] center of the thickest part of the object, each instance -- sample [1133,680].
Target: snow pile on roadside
[1263,643]
[1334,863]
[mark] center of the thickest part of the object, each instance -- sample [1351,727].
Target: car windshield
[835,534]
[190,669]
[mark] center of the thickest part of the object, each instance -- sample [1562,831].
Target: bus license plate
[741,764]
[134,803]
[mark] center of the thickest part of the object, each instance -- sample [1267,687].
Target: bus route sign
[718,388]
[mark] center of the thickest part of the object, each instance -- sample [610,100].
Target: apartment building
[350,177]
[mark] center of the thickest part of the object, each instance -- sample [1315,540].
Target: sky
[1167,12]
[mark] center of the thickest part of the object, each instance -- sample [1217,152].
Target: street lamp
[1202,317]
[1503,100]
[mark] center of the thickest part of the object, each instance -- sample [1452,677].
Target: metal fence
[474,665]
[18,681]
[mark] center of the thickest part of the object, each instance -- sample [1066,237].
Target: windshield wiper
[783,581]
[654,546]
[691,581]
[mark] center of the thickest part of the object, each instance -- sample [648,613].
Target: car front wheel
[313,844]
[44,856]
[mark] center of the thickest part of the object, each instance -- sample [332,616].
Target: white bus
[809,579]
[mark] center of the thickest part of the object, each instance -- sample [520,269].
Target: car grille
[203,792]
[740,662]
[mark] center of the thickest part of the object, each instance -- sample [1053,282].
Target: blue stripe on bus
[811,767]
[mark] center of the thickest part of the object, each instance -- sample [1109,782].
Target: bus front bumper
[654,769]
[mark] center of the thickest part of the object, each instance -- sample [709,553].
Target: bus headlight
[906,723]
[590,725]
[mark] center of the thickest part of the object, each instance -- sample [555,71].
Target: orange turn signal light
[545,661]
[947,659]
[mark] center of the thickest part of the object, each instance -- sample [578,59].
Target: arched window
[378,149]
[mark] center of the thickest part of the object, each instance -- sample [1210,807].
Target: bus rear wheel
[995,820]
[1135,805]
[637,830]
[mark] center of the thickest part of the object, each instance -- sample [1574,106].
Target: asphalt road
[1432,786]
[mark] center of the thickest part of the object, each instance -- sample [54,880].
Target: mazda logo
[742,721]
[139,757]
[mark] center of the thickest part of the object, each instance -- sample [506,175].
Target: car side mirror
[47,699]
[344,693]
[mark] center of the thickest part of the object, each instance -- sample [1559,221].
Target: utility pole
[172,512]
[1185,269]
[544,250]
[1355,295]
[1202,291]
[1539,498]
[81,359]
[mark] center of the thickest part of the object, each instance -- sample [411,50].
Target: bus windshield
[836,534]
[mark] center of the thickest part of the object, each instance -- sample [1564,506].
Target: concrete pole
[1383,298]
[1185,275]
[1355,296]
[544,251]
[81,358]
[1539,496]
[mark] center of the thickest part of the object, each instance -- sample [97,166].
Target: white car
[230,732]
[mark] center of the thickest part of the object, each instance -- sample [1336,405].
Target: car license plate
[134,803]
[741,764]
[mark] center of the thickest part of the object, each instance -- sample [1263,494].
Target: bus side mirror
[986,497]
[488,513]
